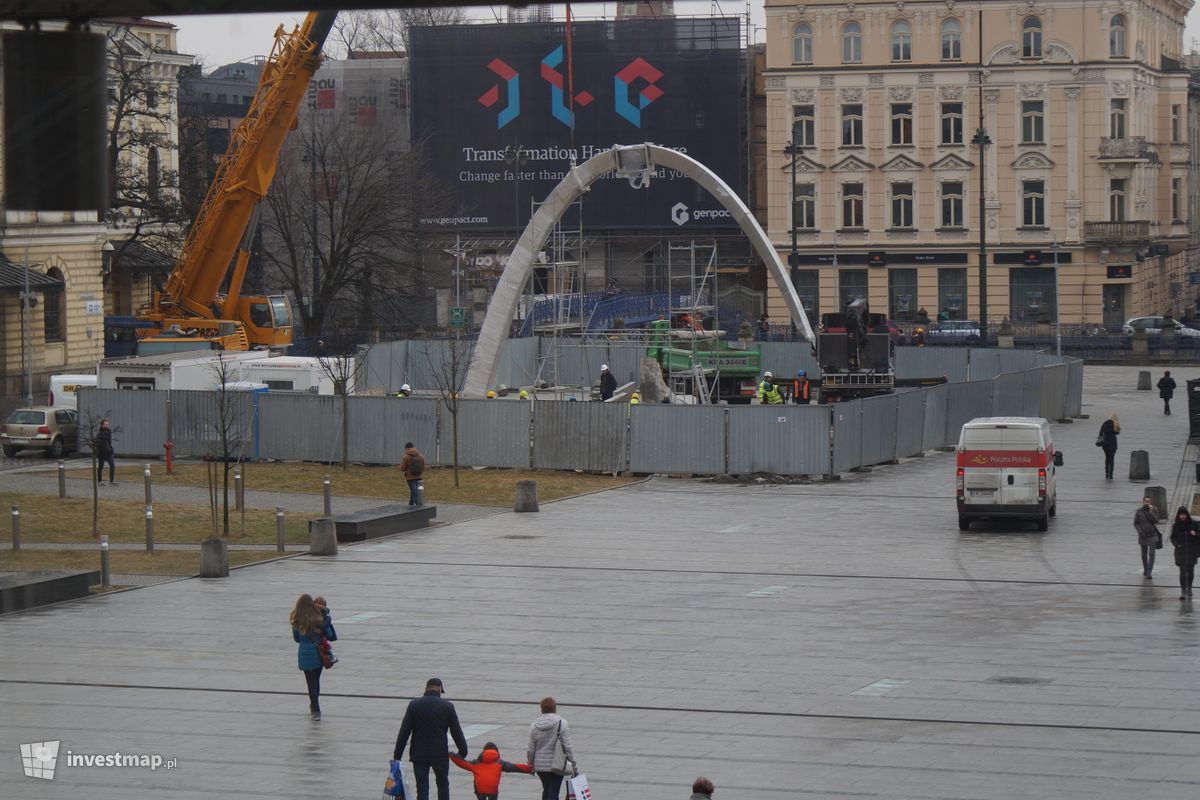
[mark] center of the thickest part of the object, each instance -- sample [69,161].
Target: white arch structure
[636,162]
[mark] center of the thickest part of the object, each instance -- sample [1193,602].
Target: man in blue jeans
[426,721]
[413,466]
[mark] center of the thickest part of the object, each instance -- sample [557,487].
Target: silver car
[52,430]
[1154,326]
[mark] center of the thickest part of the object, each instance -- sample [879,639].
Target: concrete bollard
[279,528]
[322,537]
[420,493]
[16,527]
[1143,380]
[327,490]
[1158,495]
[146,480]
[1139,465]
[237,488]
[526,497]
[62,480]
[214,558]
[105,571]
[149,529]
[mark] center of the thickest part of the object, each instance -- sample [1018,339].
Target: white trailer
[292,374]
[191,369]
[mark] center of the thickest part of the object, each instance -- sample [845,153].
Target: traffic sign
[458,317]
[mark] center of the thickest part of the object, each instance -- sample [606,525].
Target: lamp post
[982,140]
[794,149]
[1057,308]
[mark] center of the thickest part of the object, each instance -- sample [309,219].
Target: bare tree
[231,419]
[344,369]
[448,362]
[89,433]
[387,31]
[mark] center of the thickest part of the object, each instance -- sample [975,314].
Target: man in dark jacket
[608,384]
[427,720]
[104,453]
[702,789]
[1166,390]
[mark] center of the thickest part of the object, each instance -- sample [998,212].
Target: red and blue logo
[489,98]
[638,68]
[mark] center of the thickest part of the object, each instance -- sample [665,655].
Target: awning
[137,257]
[12,278]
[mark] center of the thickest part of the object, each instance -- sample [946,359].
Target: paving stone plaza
[830,640]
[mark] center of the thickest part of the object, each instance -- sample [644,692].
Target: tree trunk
[454,439]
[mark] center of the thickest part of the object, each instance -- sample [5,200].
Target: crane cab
[267,319]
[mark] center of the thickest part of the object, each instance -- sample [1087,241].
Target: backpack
[416,466]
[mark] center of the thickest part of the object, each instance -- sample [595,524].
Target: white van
[63,388]
[1006,469]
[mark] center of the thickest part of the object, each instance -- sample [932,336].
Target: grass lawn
[162,562]
[485,487]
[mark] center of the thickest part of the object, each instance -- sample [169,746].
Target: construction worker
[801,391]
[524,395]
[918,337]
[635,399]
[608,383]
[491,395]
[768,392]
[405,391]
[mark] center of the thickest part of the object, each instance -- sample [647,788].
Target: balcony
[1134,232]
[1131,148]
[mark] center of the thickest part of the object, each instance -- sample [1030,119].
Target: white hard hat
[406,388]
[604,367]
[768,374]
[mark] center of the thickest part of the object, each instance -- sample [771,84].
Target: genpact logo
[638,68]
[558,106]
[492,95]
[679,214]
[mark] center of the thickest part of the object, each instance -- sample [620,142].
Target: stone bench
[373,523]
[22,590]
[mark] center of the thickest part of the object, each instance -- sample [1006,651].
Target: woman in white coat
[547,729]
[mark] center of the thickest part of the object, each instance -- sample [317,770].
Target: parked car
[1154,326]
[954,331]
[53,430]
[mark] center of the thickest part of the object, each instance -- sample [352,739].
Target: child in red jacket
[487,769]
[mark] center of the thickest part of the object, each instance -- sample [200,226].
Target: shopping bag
[394,786]
[577,788]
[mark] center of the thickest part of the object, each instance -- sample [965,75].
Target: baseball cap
[435,682]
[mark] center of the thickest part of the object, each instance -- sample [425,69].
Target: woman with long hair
[1107,441]
[1185,535]
[309,625]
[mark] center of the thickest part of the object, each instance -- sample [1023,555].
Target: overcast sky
[223,39]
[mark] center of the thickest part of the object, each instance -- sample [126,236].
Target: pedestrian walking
[487,769]
[104,454]
[413,467]
[608,384]
[1107,441]
[547,730]
[702,789]
[1145,522]
[427,720]
[1166,390]
[1185,535]
[308,628]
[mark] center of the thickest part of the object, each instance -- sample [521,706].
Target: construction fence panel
[847,435]
[586,436]
[300,427]
[878,443]
[1054,391]
[1031,394]
[491,433]
[433,363]
[380,427]
[198,420]
[574,364]
[967,401]
[518,362]
[910,423]
[782,439]
[138,419]
[1007,398]
[937,399]
[384,367]
[931,362]
[1074,399]
[624,361]
[677,439]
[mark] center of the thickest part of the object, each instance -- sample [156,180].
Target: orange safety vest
[800,390]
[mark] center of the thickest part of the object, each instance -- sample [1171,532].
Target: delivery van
[1006,470]
[63,388]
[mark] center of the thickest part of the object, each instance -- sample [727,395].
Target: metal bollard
[237,488]
[105,574]
[16,527]
[328,489]
[241,492]
[149,529]
[420,493]
[146,479]
[62,479]
[279,528]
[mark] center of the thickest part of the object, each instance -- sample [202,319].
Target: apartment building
[1085,177]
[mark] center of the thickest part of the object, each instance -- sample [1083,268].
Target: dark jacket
[608,384]
[1185,536]
[1145,522]
[1166,387]
[1108,435]
[104,446]
[427,720]
[487,769]
[306,653]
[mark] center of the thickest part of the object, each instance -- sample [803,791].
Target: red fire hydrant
[169,446]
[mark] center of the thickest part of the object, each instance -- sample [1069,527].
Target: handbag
[560,764]
[1158,543]
[1100,441]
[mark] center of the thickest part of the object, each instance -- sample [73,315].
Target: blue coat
[306,655]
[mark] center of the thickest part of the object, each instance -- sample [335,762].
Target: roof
[134,22]
[137,257]
[182,356]
[1014,422]
[12,278]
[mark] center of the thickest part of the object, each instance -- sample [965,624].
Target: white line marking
[363,617]
[767,591]
[471,731]
[880,687]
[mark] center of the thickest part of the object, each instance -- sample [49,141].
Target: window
[902,123]
[852,284]
[901,41]
[54,301]
[852,205]
[1176,194]
[902,294]
[807,283]
[802,44]
[951,40]
[1031,295]
[1031,38]
[1175,122]
[805,209]
[902,205]
[1116,200]
[1032,122]
[153,173]
[952,123]
[1116,118]
[852,43]
[1033,203]
[852,125]
[952,293]
[1116,36]
[952,204]
[804,126]
[151,97]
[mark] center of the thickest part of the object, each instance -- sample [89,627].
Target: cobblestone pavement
[839,640]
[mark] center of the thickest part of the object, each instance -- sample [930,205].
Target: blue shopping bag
[394,786]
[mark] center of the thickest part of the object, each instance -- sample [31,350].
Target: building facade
[1086,180]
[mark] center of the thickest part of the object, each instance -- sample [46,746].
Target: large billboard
[479,89]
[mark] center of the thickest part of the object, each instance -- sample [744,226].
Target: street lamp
[982,140]
[794,149]
[514,157]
